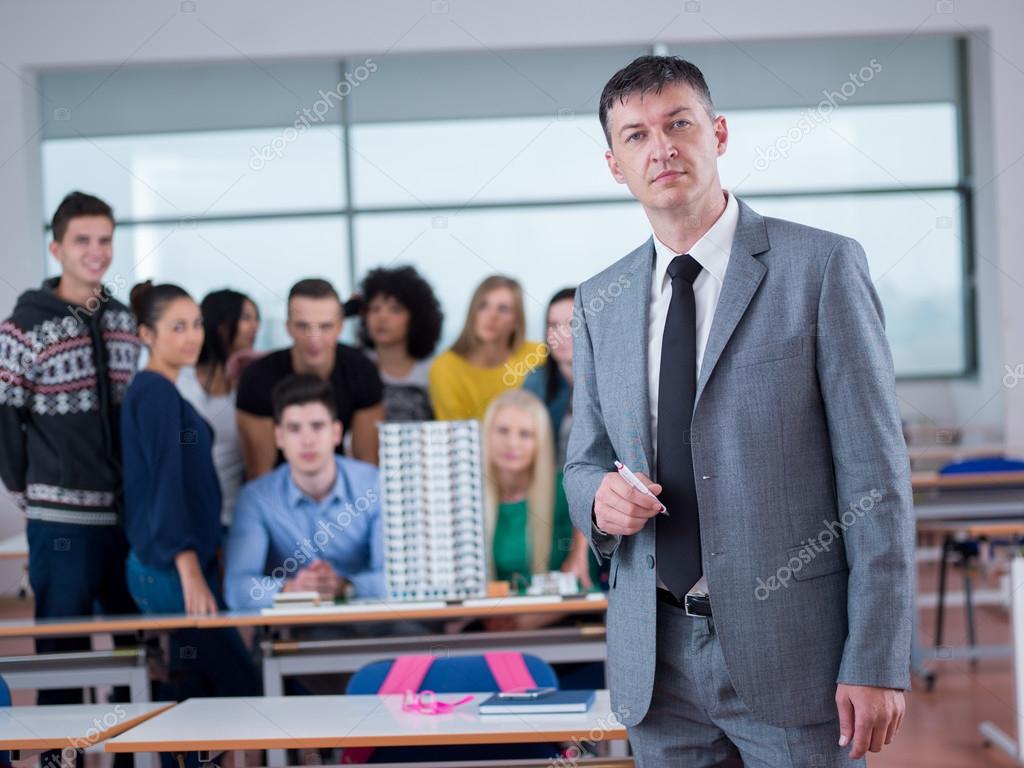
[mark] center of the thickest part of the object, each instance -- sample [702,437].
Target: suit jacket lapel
[742,278]
[633,329]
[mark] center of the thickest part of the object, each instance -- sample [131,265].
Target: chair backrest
[490,672]
[451,675]
[983,464]
[5,701]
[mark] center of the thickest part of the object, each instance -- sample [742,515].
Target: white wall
[47,34]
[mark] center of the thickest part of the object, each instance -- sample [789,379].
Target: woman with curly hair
[401,324]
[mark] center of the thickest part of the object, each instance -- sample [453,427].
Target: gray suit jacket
[802,473]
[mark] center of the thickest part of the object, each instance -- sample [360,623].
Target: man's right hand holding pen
[622,510]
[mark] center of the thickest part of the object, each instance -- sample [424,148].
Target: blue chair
[5,701]
[456,675]
[983,464]
[450,675]
[966,549]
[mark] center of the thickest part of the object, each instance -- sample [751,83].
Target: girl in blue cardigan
[172,500]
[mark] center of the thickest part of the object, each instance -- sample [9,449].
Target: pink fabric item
[406,674]
[510,671]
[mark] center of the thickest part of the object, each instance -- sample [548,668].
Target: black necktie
[678,535]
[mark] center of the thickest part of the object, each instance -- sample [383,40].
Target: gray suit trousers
[697,720]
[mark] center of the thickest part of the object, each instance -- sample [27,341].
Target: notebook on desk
[556,702]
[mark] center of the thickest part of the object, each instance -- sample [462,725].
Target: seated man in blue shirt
[313,523]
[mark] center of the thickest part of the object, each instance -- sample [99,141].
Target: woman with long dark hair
[172,500]
[552,382]
[230,322]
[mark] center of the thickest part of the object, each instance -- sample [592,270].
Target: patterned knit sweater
[64,369]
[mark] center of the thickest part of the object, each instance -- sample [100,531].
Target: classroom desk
[78,726]
[301,722]
[951,531]
[79,669]
[289,617]
[969,504]
[931,481]
[974,529]
[280,659]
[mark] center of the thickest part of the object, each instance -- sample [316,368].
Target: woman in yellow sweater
[490,356]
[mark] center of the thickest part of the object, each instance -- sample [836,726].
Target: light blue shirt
[279,530]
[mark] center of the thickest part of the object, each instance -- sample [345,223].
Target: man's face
[86,250]
[314,325]
[665,148]
[307,436]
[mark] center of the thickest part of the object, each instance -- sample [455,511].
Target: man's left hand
[868,717]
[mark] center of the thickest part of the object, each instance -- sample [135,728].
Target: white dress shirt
[712,253]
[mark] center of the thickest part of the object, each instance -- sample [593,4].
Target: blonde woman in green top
[528,525]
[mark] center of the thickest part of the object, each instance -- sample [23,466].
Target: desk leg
[138,690]
[273,680]
[918,657]
[273,685]
[969,608]
[992,734]
[940,613]
[23,585]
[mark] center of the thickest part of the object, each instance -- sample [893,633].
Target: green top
[512,551]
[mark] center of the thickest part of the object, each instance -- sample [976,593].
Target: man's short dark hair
[77,204]
[300,389]
[650,74]
[313,288]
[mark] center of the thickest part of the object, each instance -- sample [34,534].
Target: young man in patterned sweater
[66,355]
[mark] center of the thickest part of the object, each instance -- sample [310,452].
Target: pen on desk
[629,477]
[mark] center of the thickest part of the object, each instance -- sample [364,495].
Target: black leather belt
[693,604]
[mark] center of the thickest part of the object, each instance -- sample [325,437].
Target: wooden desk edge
[402,613]
[68,741]
[97,626]
[594,733]
[926,481]
[147,623]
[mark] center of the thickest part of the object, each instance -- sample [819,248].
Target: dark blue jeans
[76,570]
[203,662]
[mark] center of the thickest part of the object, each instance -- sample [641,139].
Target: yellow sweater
[461,390]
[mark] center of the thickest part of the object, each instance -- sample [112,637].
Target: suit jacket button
[650,561]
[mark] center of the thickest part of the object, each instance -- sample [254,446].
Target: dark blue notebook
[556,702]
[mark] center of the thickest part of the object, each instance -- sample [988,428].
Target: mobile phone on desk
[529,693]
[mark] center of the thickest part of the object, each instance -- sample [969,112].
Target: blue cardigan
[171,492]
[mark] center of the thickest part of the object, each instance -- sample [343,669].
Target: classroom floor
[940,730]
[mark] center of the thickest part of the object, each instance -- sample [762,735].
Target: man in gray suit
[742,361]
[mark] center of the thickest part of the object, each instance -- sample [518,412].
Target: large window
[468,165]
[200,211]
